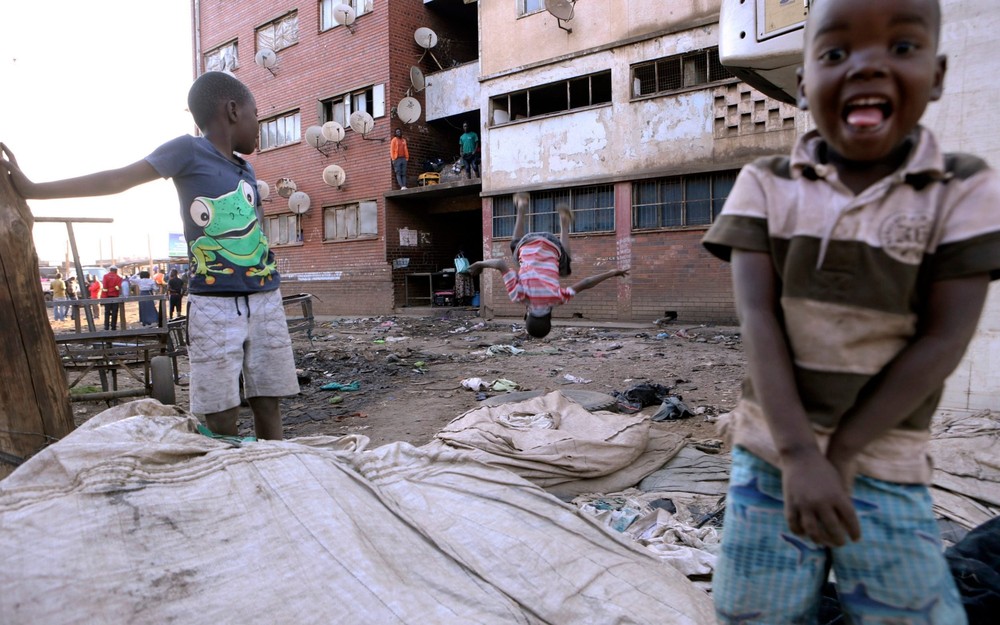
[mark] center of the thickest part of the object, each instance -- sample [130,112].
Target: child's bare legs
[565,224]
[266,419]
[521,221]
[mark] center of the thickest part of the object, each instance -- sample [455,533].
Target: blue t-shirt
[222,217]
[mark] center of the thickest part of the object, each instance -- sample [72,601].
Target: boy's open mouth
[867,112]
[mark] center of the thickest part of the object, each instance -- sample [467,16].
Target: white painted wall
[966,120]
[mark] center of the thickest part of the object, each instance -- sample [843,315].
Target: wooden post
[34,397]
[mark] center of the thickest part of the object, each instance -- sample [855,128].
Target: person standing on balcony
[399,154]
[468,145]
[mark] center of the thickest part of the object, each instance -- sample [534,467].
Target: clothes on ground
[930,220]
[974,564]
[536,282]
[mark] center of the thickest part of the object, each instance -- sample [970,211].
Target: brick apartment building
[627,115]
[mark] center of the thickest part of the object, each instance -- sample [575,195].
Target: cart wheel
[162,376]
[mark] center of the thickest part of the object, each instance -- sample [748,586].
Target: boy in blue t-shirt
[236,322]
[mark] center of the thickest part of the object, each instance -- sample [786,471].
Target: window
[280,33]
[556,97]
[681,200]
[279,131]
[282,229]
[593,211]
[339,108]
[353,221]
[682,71]
[326,21]
[528,6]
[222,58]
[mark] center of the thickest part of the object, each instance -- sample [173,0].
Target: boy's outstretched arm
[945,328]
[816,502]
[490,263]
[100,183]
[593,281]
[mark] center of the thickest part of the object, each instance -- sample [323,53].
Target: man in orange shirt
[399,155]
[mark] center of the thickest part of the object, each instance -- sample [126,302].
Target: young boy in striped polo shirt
[540,259]
[860,268]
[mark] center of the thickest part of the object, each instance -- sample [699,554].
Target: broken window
[682,71]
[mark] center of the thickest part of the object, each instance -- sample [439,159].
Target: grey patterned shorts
[230,335]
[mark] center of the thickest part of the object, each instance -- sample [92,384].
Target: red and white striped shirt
[537,280]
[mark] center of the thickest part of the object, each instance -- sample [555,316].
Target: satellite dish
[425,37]
[266,57]
[298,202]
[362,122]
[315,136]
[286,187]
[344,14]
[408,110]
[334,175]
[333,131]
[562,10]
[417,79]
[263,190]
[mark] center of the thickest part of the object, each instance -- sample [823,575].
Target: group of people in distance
[468,147]
[860,268]
[115,285]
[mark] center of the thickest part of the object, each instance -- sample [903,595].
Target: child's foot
[521,201]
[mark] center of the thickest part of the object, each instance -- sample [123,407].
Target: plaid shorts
[896,573]
[230,335]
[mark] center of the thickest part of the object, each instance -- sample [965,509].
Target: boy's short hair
[538,327]
[209,91]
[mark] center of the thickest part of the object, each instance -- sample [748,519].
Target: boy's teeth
[866,116]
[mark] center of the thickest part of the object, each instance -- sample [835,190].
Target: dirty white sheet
[554,442]
[133,518]
[966,479]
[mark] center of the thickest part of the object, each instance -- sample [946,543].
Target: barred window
[223,58]
[593,211]
[556,97]
[280,33]
[280,130]
[682,71]
[282,229]
[680,201]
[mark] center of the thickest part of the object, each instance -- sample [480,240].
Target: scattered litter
[396,339]
[672,409]
[336,399]
[493,350]
[481,396]
[639,396]
[576,380]
[379,341]
[337,386]
[502,384]
[475,384]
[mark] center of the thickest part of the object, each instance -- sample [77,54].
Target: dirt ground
[409,370]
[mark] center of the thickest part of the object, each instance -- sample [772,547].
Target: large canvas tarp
[135,518]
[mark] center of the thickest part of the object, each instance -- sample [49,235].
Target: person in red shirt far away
[112,283]
[540,259]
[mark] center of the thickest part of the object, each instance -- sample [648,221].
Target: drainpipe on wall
[196,27]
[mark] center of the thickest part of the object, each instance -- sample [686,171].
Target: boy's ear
[232,111]
[800,91]
[941,66]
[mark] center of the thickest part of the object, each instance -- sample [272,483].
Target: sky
[89,86]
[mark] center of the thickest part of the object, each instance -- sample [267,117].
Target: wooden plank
[34,398]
